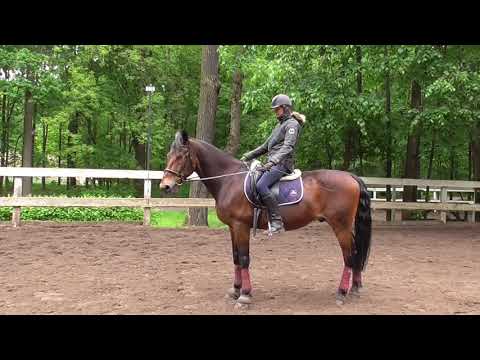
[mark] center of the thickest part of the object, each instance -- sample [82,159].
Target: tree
[209,90]
[235,110]
[27,158]
[412,161]
[388,130]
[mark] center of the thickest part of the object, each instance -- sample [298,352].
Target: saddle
[288,190]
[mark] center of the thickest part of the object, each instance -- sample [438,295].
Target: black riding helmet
[281,100]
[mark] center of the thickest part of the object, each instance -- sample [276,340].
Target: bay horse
[337,197]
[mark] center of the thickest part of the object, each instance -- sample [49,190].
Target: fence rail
[17,201]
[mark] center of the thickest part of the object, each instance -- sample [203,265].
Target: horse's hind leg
[345,238]
[356,283]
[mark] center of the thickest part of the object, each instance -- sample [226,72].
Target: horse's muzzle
[168,188]
[165,187]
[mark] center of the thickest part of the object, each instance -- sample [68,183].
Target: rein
[184,179]
[217,177]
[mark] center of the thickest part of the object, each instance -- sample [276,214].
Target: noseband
[180,178]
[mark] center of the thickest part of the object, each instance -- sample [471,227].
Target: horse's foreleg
[241,240]
[234,292]
[242,288]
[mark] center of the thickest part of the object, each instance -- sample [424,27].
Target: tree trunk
[8,134]
[44,150]
[91,140]
[452,163]
[388,111]
[3,138]
[359,92]
[209,90]
[123,137]
[140,153]
[235,114]
[412,161]
[72,130]
[470,161]
[60,127]
[352,131]
[476,163]
[349,141]
[140,156]
[92,132]
[5,131]
[430,164]
[27,159]
[34,131]
[16,149]
[330,154]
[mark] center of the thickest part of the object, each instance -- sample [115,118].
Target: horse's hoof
[340,299]
[244,299]
[355,291]
[232,293]
[240,306]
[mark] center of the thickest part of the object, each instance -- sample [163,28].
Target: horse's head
[179,163]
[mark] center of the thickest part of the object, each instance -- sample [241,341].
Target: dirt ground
[51,268]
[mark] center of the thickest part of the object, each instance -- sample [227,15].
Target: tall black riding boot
[276,223]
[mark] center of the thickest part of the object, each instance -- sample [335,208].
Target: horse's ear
[184,137]
[181,138]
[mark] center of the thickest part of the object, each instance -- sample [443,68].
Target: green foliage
[75,214]
[101,88]
[162,219]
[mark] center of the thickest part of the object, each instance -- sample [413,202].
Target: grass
[178,219]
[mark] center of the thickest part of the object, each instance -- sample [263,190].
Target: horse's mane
[182,137]
[220,152]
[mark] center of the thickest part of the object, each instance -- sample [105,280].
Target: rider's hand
[265,167]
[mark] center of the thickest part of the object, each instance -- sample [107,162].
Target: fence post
[394,198]
[147,195]
[17,192]
[471,215]
[443,200]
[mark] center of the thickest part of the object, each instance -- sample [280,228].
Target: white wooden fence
[147,202]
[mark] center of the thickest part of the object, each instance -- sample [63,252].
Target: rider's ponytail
[299,117]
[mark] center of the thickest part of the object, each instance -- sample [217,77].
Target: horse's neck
[214,162]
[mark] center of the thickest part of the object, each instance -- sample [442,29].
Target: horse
[337,197]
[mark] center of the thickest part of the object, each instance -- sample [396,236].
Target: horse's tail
[363,228]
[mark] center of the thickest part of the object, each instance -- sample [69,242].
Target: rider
[280,148]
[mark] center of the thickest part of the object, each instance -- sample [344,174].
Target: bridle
[180,178]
